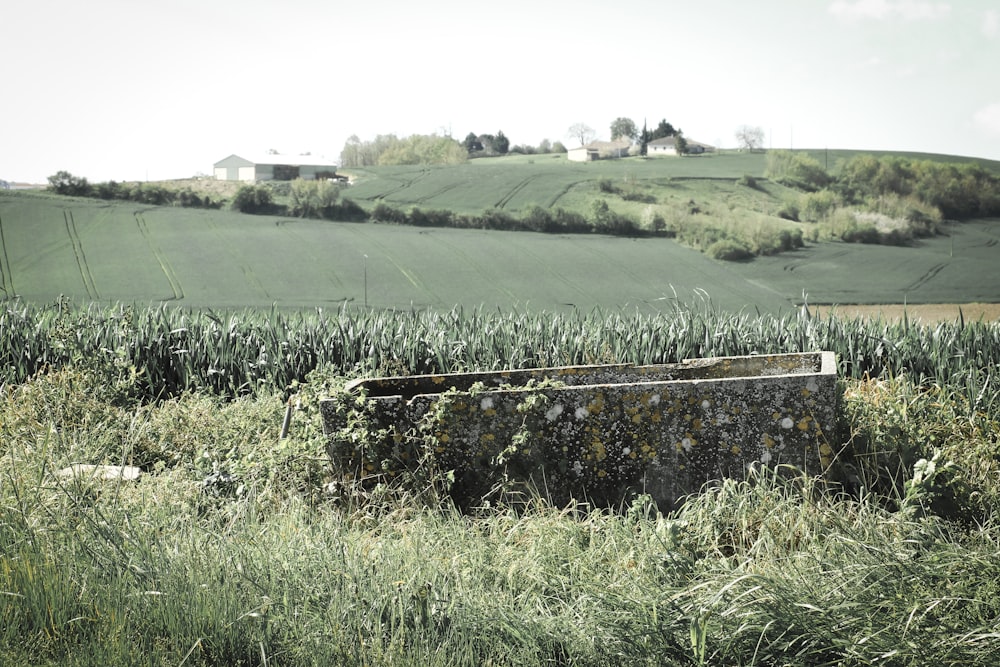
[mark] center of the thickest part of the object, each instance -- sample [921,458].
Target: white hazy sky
[127,89]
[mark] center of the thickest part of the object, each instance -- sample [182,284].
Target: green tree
[65,183]
[424,149]
[623,128]
[680,144]
[472,143]
[664,129]
[308,199]
[501,144]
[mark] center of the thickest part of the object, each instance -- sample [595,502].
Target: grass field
[108,252]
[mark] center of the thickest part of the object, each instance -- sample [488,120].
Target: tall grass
[233,548]
[236,353]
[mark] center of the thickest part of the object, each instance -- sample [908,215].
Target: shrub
[495,218]
[346,211]
[789,211]
[729,250]
[252,199]
[748,181]
[848,228]
[817,205]
[570,221]
[538,219]
[797,170]
[605,185]
[439,218]
[385,213]
[65,183]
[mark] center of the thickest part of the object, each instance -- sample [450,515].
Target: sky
[125,90]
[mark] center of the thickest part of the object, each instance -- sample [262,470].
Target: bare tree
[750,138]
[583,132]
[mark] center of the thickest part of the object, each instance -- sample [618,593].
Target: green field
[94,251]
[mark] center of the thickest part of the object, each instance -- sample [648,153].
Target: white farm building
[667,146]
[274,167]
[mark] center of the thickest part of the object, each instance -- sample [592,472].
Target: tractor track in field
[563,191]
[240,260]
[81,258]
[306,247]
[6,277]
[404,183]
[927,277]
[412,278]
[168,271]
[436,193]
[791,266]
[503,201]
[543,262]
[476,266]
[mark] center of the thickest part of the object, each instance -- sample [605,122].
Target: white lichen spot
[787,422]
[554,412]
[486,403]
[581,413]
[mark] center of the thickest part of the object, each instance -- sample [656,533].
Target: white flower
[626,451]
[654,399]
[554,412]
[577,467]
[581,413]
[787,422]
[486,403]
[706,404]
[686,444]
[765,457]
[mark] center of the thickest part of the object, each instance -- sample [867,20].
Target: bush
[346,211]
[438,218]
[252,199]
[748,181]
[495,219]
[817,206]
[729,250]
[789,211]
[385,213]
[65,183]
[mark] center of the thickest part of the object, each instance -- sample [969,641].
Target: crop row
[171,350]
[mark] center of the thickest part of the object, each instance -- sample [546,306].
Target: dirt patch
[925,313]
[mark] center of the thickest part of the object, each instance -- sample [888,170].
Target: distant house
[274,167]
[667,147]
[600,150]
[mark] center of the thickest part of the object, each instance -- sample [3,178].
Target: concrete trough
[592,432]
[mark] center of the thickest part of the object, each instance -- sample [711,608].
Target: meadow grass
[234,548]
[110,252]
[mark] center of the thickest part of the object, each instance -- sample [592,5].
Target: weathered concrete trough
[591,432]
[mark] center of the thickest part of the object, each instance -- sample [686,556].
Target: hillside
[98,251]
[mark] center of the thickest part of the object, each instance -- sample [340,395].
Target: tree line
[65,183]
[388,149]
